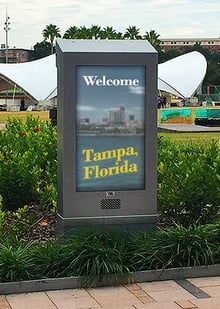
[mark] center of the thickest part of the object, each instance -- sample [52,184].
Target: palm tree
[153,38]
[108,33]
[132,33]
[119,36]
[83,33]
[71,33]
[50,33]
[95,32]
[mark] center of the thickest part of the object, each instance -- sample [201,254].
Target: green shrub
[28,163]
[188,182]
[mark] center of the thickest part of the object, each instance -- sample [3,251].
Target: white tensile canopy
[37,78]
[180,76]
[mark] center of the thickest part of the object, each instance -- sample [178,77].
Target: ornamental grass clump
[105,257]
[16,261]
[172,247]
[94,255]
[50,260]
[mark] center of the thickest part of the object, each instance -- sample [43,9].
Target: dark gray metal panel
[74,204]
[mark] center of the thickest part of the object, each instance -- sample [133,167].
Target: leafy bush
[188,174]
[188,182]
[28,160]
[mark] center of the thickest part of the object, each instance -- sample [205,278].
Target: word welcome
[122,165]
[94,80]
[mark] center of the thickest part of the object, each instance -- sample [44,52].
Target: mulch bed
[36,223]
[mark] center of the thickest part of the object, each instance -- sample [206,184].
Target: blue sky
[180,19]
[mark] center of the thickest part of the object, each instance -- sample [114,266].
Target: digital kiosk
[107,132]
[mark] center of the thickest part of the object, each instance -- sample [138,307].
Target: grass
[43,115]
[176,137]
[196,137]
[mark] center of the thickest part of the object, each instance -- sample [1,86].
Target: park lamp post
[6,28]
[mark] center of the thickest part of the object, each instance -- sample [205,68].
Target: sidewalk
[181,127]
[201,293]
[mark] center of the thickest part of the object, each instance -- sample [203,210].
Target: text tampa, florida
[121,166]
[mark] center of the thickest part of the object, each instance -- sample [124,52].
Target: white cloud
[137,90]
[84,108]
[185,18]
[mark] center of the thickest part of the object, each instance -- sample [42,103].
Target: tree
[95,32]
[167,55]
[41,49]
[51,32]
[119,36]
[108,33]
[71,33]
[153,38]
[83,33]
[132,33]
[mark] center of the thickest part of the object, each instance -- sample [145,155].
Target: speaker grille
[110,203]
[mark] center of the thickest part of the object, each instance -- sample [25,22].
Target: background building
[16,55]
[19,55]
[210,43]
[117,116]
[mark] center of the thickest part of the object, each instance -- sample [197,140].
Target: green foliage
[13,223]
[188,199]
[15,260]
[42,49]
[172,247]
[27,163]
[29,223]
[51,32]
[95,254]
[3,218]
[49,259]
[188,182]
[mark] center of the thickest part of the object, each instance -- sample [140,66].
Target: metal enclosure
[107,101]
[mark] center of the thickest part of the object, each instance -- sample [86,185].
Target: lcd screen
[110,123]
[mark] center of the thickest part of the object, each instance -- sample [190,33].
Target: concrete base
[121,223]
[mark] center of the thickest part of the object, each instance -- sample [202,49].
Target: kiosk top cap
[105,46]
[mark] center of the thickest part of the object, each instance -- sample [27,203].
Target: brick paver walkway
[201,293]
